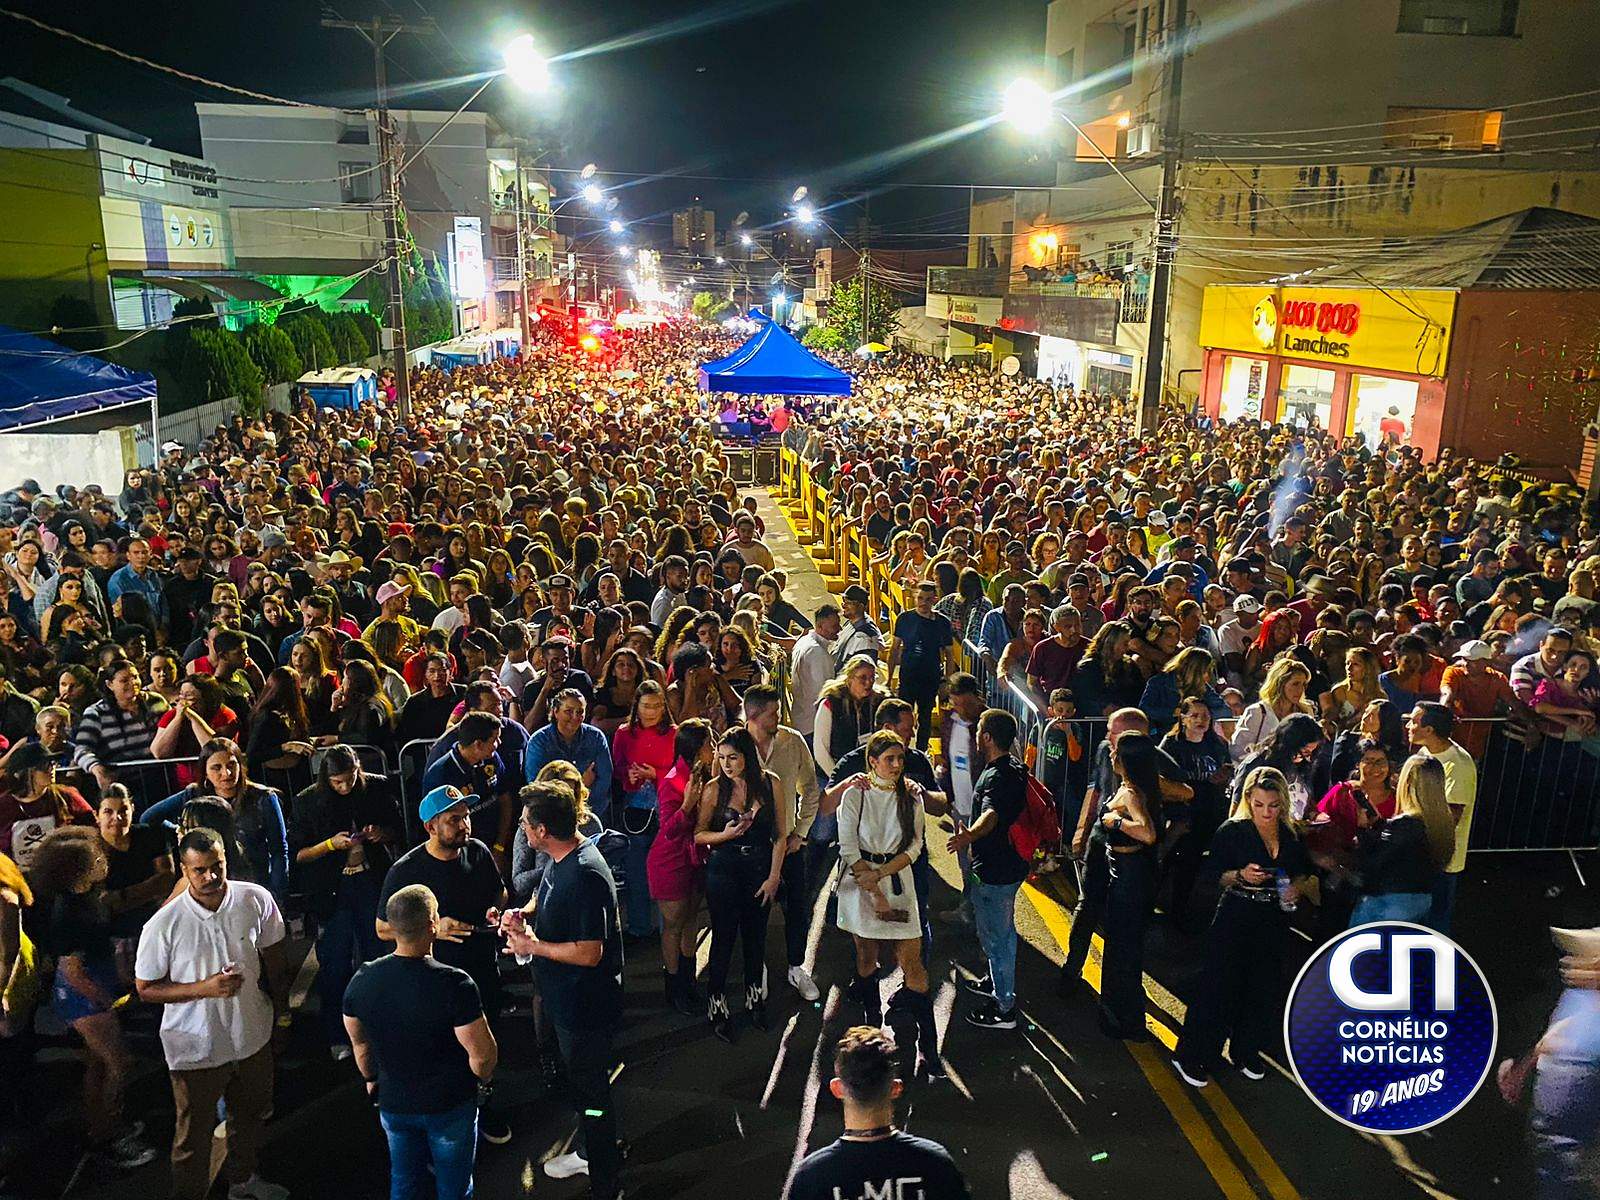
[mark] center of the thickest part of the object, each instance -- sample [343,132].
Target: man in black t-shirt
[873,1158]
[573,933]
[999,797]
[422,1044]
[920,649]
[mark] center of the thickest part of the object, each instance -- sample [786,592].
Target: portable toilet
[341,387]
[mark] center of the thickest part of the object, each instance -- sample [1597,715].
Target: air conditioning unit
[1428,141]
[1143,140]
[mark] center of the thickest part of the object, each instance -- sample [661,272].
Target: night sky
[758,94]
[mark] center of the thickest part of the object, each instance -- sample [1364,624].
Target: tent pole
[155,430]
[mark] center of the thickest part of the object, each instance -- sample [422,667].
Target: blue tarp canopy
[43,381]
[772,363]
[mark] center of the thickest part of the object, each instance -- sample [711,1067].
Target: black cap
[857,594]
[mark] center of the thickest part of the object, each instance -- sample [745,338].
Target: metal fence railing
[1534,792]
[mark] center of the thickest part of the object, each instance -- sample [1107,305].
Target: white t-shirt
[449,619]
[186,942]
[961,773]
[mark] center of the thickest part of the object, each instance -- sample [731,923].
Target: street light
[592,194]
[616,226]
[746,240]
[805,214]
[1028,106]
[525,66]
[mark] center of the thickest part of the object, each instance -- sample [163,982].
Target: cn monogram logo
[1401,948]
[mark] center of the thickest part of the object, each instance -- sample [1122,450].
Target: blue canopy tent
[41,381]
[772,363]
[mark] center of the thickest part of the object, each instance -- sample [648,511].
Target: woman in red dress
[673,867]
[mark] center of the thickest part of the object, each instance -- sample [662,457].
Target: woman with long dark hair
[1106,678]
[1262,864]
[1293,749]
[257,814]
[280,731]
[69,923]
[642,752]
[1400,858]
[1133,821]
[880,837]
[615,689]
[346,828]
[746,831]
[362,713]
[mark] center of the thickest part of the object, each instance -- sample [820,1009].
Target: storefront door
[1382,408]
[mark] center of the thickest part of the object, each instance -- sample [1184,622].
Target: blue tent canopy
[772,363]
[42,381]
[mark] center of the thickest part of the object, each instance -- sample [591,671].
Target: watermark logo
[1390,1027]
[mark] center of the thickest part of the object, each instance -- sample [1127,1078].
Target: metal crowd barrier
[1543,796]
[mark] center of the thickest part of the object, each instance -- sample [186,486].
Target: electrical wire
[152,65]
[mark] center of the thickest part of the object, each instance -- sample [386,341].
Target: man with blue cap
[460,871]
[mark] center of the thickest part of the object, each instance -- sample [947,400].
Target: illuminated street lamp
[616,226]
[746,240]
[1027,106]
[592,194]
[525,66]
[805,214]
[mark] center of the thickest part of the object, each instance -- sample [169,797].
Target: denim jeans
[639,915]
[994,909]
[1391,906]
[1444,902]
[347,940]
[449,1139]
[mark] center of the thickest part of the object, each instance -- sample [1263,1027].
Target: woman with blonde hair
[1400,858]
[1345,702]
[1262,866]
[1282,695]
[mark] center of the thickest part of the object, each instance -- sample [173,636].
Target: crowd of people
[519,686]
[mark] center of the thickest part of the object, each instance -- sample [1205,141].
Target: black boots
[679,989]
[917,1033]
[721,1019]
[871,1000]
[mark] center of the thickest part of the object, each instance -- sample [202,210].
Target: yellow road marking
[1174,1095]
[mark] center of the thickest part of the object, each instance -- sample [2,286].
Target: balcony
[1064,311]
[1099,290]
[967,281]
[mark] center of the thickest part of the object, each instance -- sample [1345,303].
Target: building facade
[1311,134]
[694,229]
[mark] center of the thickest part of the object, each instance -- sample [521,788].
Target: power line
[154,66]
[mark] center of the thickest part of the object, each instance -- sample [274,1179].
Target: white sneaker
[565,1166]
[800,980]
[257,1188]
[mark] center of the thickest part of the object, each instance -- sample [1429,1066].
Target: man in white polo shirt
[204,956]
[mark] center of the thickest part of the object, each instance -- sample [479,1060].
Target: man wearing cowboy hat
[339,568]
[1319,593]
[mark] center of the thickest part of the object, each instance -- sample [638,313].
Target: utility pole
[1175,44]
[522,258]
[866,271]
[378,33]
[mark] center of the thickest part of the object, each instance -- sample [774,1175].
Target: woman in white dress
[880,836]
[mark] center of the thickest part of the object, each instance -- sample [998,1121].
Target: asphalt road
[1051,1109]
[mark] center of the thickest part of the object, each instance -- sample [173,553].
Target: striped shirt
[106,735]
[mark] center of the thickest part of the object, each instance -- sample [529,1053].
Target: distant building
[694,229]
[460,196]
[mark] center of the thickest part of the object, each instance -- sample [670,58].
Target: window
[1243,382]
[1305,397]
[1118,254]
[356,182]
[1474,18]
[1445,129]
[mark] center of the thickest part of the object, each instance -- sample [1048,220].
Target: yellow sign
[1406,330]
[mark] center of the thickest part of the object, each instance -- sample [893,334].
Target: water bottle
[1285,900]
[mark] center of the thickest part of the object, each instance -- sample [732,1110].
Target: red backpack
[1038,826]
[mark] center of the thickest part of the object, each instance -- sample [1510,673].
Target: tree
[844,313]
[273,352]
[826,337]
[702,304]
[311,341]
[215,365]
[348,340]
[722,311]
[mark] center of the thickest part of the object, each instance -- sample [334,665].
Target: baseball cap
[1475,651]
[442,799]
[388,591]
[857,594]
[1246,603]
[1157,518]
[271,539]
[559,581]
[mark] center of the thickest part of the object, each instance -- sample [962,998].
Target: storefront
[1367,362]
